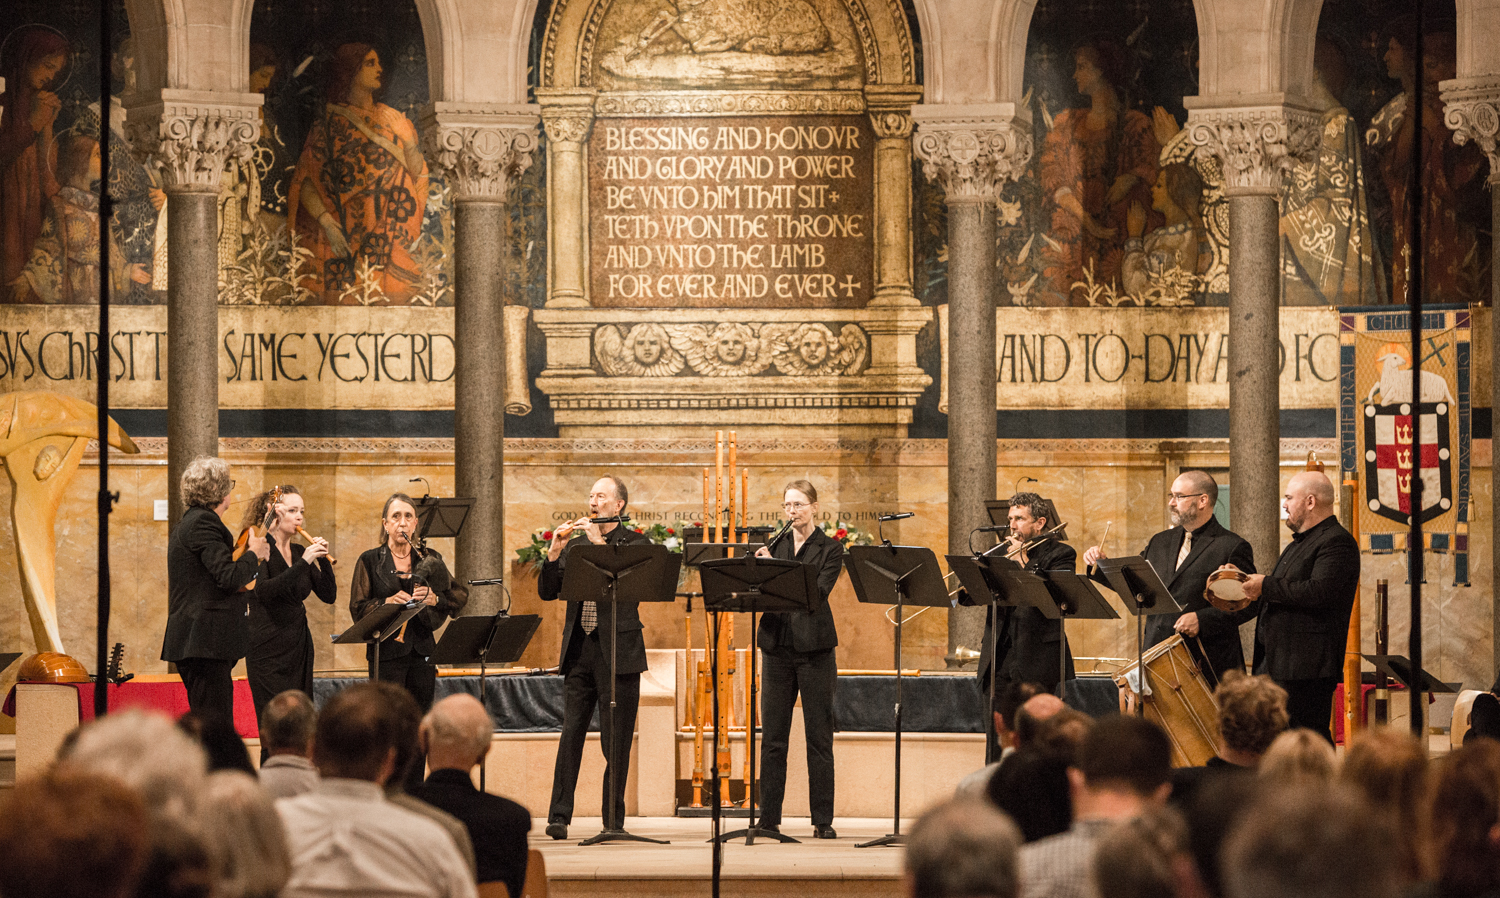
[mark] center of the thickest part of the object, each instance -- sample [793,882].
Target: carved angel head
[646,351]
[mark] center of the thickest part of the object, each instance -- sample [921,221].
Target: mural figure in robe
[359,191]
[1165,267]
[35,66]
[1095,163]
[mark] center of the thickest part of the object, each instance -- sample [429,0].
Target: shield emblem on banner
[1388,459]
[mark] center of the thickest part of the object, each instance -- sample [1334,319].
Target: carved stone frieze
[1472,112]
[741,102]
[193,135]
[483,153]
[972,160]
[730,349]
[1256,145]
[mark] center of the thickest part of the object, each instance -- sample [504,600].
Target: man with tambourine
[1186,557]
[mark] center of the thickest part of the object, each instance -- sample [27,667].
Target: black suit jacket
[804,631]
[497,826]
[205,609]
[1212,548]
[619,620]
[1305,604]
[1028,645]
[376,579]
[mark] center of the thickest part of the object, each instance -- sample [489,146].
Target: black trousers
[586,686]
[210,688]
[783,676]
[1309,703]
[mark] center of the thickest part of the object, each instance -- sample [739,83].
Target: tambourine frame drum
[1225,591]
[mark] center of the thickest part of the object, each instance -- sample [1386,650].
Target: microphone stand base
[619,835]
[894,839]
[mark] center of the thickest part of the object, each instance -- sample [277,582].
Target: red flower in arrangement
[840,533]
[697,523]
[639,530]
[671,532]
[547,535]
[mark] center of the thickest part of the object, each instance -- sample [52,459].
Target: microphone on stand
[897,516]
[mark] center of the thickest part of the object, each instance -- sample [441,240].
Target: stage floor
[810,868]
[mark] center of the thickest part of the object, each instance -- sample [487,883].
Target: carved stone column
[1473,113]
[193,135]
[1256,145]
[971,152]
[482,153]
[568,117]
[890,113]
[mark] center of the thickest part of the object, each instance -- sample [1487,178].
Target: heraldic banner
[1377,417]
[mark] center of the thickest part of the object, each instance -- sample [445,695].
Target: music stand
[1076,598]
[755,585]
[695,554]
[378,626]
[900,576]
[1138,585]
[1398,668]
[597,573]
[7,659]
[985,587]
[500,639]
[441,518]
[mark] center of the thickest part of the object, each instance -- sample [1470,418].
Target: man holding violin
[1183,557]
[589,628]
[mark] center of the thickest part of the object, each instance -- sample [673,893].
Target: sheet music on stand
[1144,594]
[441,518]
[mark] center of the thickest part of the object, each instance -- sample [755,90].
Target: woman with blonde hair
[1299,757]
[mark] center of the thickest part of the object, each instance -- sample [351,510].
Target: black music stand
[1138,585]
[378,626]
[1078,599]
[755,585]
[500,639]
[1398,668]
[981,577]
[695,554]
[441,518]
[900,576]
[7,659]
[600,573]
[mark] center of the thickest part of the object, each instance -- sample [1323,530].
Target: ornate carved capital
[890,107]
[971,156]
[891,125]
[1472,112]
[483,151]
[1255,144]
[567,115]
[194,134]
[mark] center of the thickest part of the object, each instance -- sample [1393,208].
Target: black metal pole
[1414,547]
[106,500]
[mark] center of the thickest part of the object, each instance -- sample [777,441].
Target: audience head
[1032,712]
[1142,857]
[1032,787]
[1484,717]
[1299,757]
[362,732]
[1252,713]
[963,848]
[148,753]
[1388,768]
[456,733]
[1063,732]
[71,833]
[1465,817]
[1124,754]
[1007,705]
[244,833]
[223,745]
[1213,810]
[287,724]
[1296,842]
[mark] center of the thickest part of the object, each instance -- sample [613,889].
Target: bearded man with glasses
[1183,557]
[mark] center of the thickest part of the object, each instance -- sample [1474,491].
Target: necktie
[589,616]
[1187,546]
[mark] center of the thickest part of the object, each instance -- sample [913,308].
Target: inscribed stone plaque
[748,212]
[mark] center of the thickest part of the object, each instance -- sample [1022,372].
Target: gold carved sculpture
[42,439]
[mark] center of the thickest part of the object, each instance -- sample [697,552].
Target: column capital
[567,116]
[483,149]
[1257,140]
[1472,111]
[194,134]
[972,150]
[889,106]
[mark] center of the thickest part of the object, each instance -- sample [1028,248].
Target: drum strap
[1204,653]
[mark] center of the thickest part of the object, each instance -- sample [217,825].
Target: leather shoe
[557,830]
[769,827]
[824,832]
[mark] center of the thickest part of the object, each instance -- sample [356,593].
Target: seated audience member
[345,837]
[1299,757]
[1008,702]
[1389,769]
[962,848]
[166,768]
[1032,784]
[1299,842]
[287,724]
[245,837]
[456,736]
[408,758]
[1143,857]
[1211,813]
[1121,772]
[72,834]
[223,745]
[1484,718]
[1465,820]
[1252,713]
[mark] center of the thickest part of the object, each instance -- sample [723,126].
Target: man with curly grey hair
[207,631]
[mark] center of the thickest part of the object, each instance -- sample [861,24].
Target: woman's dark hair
[386,509]
[73,156]
[260,506]
[346,61]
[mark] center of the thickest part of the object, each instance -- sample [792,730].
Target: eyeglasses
[1178,497]
[232,483]
[796,506]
